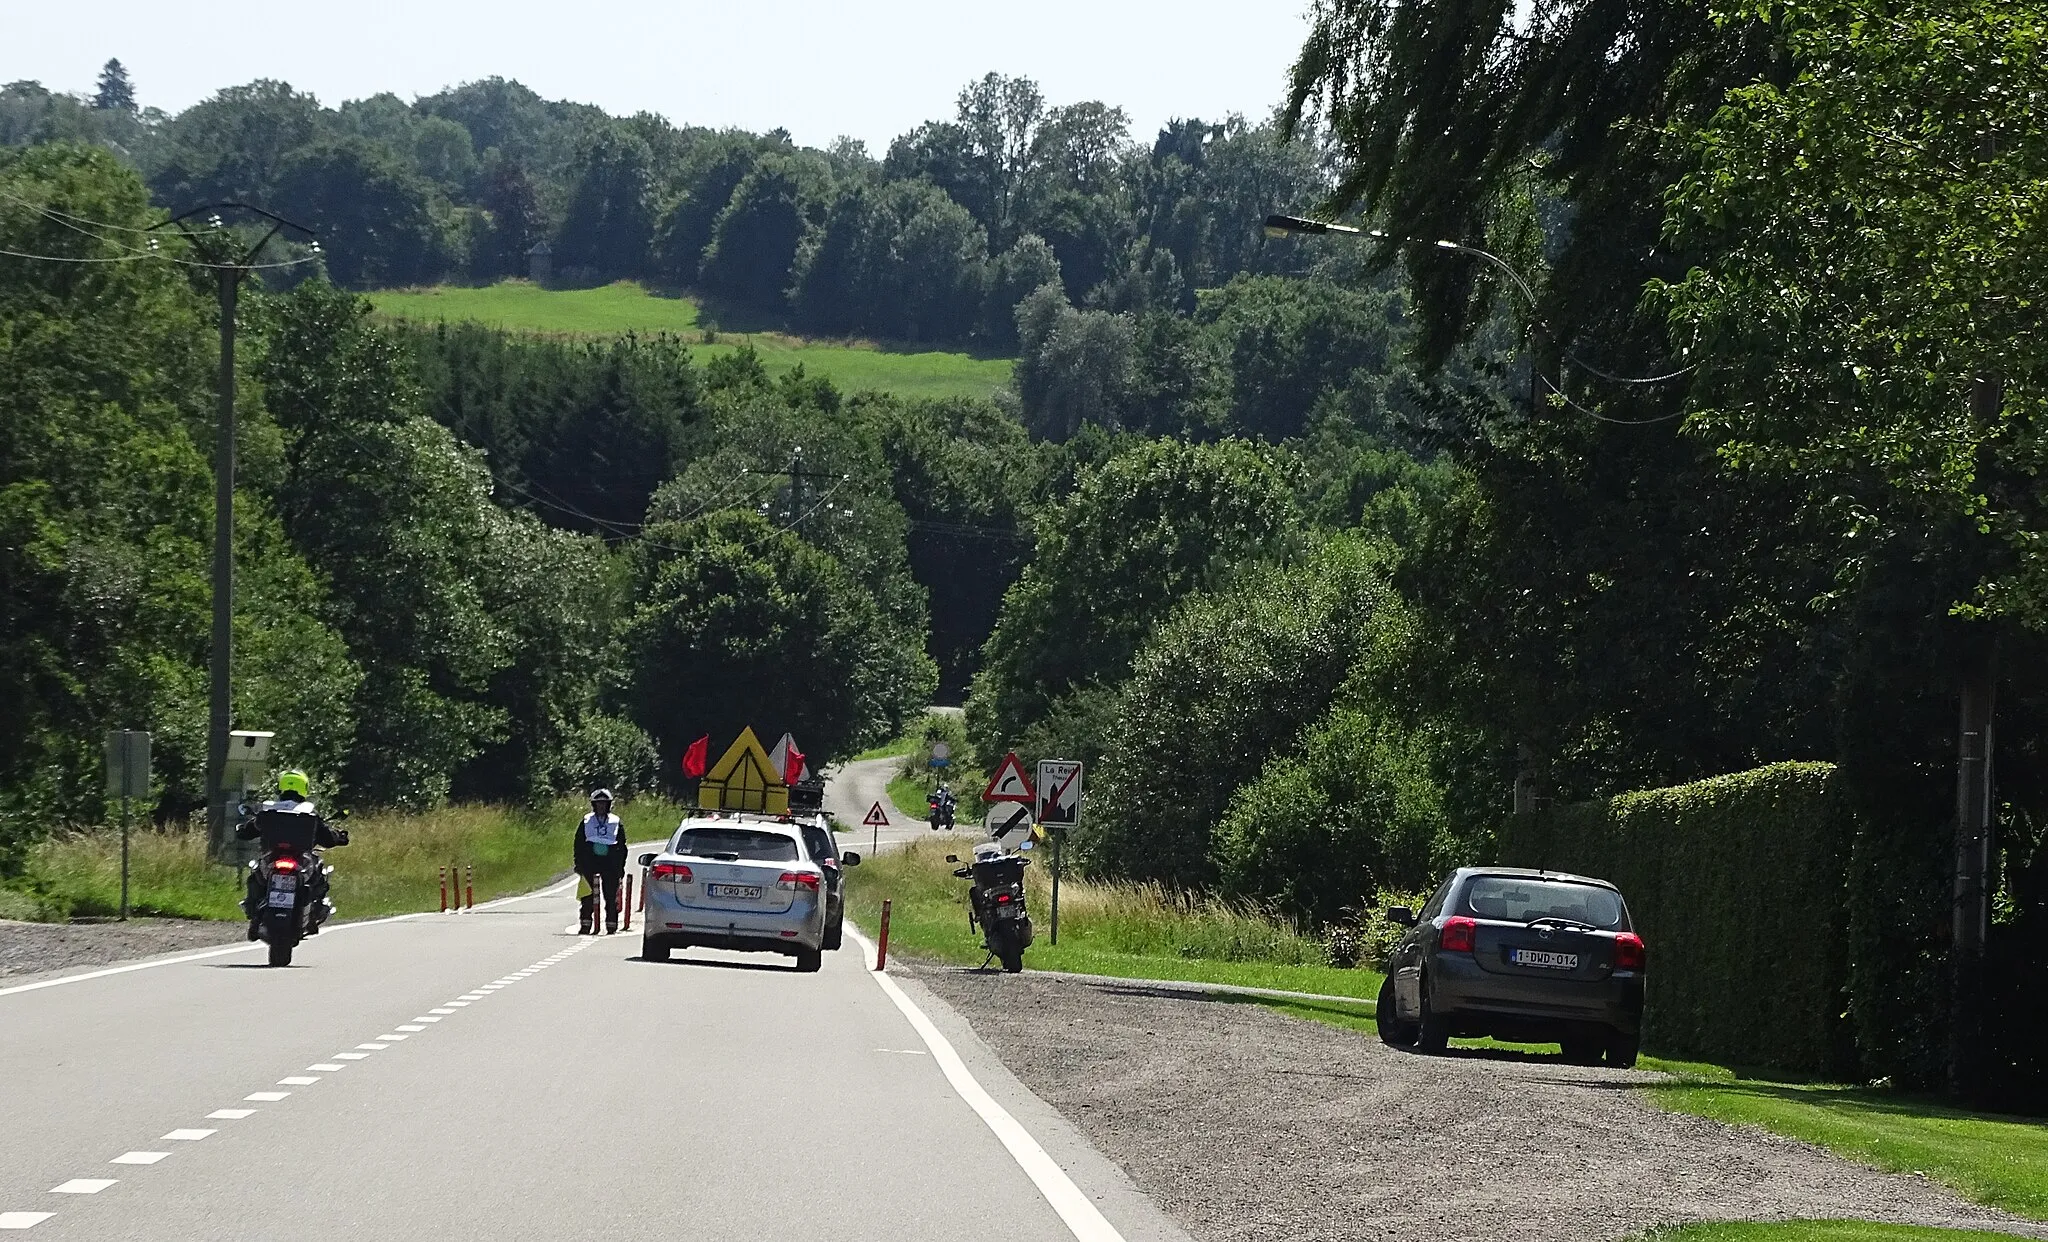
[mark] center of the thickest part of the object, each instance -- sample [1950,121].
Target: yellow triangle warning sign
[744,779]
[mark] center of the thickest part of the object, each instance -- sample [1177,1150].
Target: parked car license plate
[1544,958]
[749,892]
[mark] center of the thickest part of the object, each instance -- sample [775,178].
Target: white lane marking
[373,1047]
[454,1005]
[266,1097]
[444,1011]
[139,1157]
[472,996]
[392,1039]
[84,1186]
[908,1052]
[351,1056]
[327,1067]
[426,1018]
[189,957]
[188,1136]
[297,1080]
[230,1114]
[23,1220]
[412,1028]
[1075,1209]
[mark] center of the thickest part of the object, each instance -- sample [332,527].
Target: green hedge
[1737,885]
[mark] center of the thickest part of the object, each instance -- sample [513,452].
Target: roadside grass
[894,749]
[1997,1160]
[1126,931]
[611,310]
[390,866]
[1817,1231]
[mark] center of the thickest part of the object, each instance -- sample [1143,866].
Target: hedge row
[1737,885]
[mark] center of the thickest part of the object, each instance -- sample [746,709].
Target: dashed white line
[351,1056]
[188,1136]
[230,1114]
[139,1157]
[409,1028]
[392,1039]
[444,1011]
[373,1047]
[427,1017]
[23,1220]
[297,1080]
[327,1067]
[266,1097]
[84,1186]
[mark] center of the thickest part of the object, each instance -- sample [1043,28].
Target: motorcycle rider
[601,860]
[294,799]
[943,804]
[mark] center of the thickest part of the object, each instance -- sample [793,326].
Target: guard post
[127,779]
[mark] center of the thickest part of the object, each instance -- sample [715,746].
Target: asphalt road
[490,1075]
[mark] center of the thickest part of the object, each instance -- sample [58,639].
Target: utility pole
[1975,828]
[223,254]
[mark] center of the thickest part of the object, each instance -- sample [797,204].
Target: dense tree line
[939,239]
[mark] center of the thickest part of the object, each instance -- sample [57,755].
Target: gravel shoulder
[41,948]
[1242,1123]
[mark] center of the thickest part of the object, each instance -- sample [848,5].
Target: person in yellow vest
[601,861]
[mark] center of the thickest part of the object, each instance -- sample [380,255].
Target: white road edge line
[1075,1209]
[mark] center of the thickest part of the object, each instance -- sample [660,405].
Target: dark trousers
[606,883]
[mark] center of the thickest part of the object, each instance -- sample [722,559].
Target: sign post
[877,819]
[127,779]
[1059,808]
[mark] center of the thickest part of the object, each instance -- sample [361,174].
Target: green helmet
[293,781]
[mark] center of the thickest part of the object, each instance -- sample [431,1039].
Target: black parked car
[1528,956]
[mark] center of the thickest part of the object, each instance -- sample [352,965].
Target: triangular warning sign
[744,780]
[877,817]
[1009,784]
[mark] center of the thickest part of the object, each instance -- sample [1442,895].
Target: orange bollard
[626,906]
[444,890]
[882,941]
[469,886]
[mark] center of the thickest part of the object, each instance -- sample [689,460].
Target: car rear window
[748,846]
[1518,899]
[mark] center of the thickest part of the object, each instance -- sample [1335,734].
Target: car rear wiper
[723,857]
[1562,922]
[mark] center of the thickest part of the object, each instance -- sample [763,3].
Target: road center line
[1075,1209]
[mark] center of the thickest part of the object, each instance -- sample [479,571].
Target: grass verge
[1818,1231]
[1128,931]
[390,866]
[521,306]
[2000,1161]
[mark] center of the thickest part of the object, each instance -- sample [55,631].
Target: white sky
[815,67]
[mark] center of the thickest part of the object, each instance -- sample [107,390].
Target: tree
[1000,119]
[759,630]
[609,220]
[1073,366]
[115,92]
[1152,526]
[231,147]
[375,218]
[1028,266]
[686,225]
[754,243]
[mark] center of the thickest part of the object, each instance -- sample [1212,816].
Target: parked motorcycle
[287,898]
[996,902]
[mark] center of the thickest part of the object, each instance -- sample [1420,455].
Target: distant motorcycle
[940,808]
[288,899]
[996,902]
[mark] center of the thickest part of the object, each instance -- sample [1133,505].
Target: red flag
[697,757]
[793,766]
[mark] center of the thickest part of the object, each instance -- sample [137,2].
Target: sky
[818,69]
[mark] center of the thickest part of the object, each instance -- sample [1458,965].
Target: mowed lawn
[521,306]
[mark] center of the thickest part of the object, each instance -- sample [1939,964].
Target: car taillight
[1628,952]
[798,879]
[284,863]
[1460,935]
[673,871]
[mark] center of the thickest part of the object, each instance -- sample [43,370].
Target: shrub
[1738,886]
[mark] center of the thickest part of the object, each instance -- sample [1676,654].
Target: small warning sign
[877,817]
[1009,784]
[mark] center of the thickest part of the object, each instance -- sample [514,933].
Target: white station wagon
[732,882]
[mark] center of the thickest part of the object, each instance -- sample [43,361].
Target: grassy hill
[520,306]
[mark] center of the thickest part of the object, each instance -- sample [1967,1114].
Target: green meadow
[609,310]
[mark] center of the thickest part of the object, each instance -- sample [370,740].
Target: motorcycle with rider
[287,890]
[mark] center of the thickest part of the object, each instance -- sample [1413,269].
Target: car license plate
[1544,958]
[747,892]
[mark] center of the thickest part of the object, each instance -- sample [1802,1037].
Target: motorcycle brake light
[286,863]
[1003,897]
